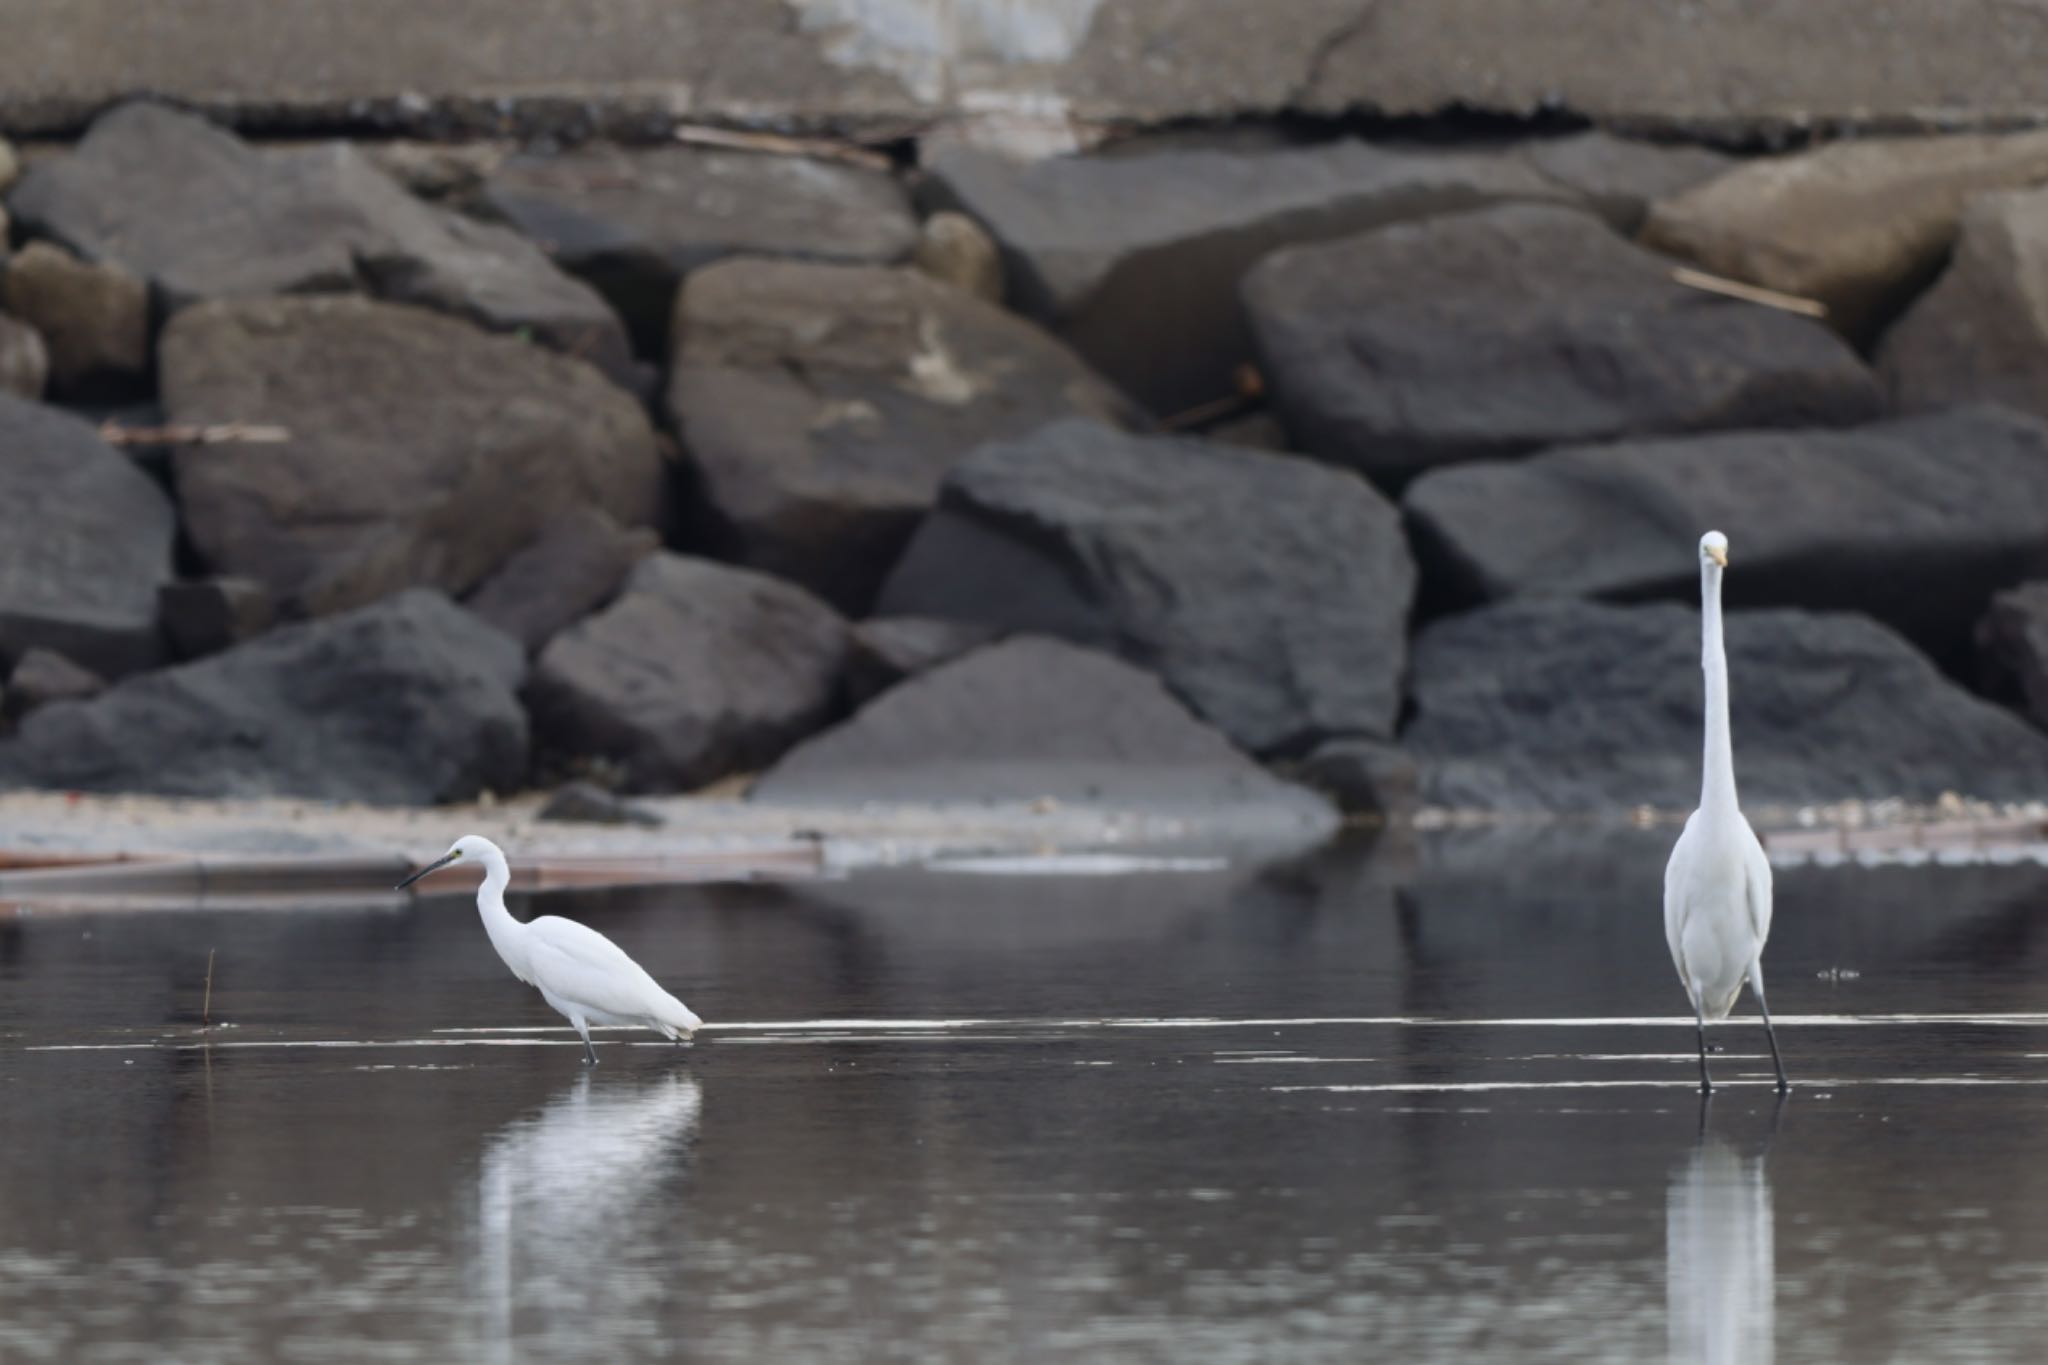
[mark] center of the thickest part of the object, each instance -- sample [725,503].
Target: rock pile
[1099,479]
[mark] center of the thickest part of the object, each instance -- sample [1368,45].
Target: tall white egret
[1717,886]
[584,976]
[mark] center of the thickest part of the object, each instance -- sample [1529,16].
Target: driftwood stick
[1750,293]
[218,433]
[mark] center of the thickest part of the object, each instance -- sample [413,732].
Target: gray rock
[586,803]
[1495,333]
[634,221]
[407,702]
[10,165]
[1981,333]
[1573,706]
[696,671]
[1134,260]
[150,189]
[820,406]
[2012,645]
[1031,719]
[1916,521]
[955,249]
[42,676]
[24,360]
[1859,224]
[1365,777]
[566,572]
[1270,593]
[207,615]
[85,539]
[422,451]
[884,650]
[1620,178]
[93,317]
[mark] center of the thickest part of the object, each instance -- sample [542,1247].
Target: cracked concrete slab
[1717,68]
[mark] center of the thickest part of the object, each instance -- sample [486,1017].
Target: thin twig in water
[219,433]
[1751,293]
[781,145]
[206,1007]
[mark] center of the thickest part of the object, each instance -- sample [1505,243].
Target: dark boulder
[1572,706]
[1617,177]
[820,406]
[634,221]
[1915,521]
[85,540]
[566,572]
[1270,593]
[1134,259]
[586,803]
[200,214]
[407,702]
[1030,719]
[2012,644]
[884,650]
[697,670]
[43,676]
[1365,777]
[1981,333]
[420,452]
[207,615]
[1497,333]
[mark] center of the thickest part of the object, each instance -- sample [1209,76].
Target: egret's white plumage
[584,976]
[1717,886]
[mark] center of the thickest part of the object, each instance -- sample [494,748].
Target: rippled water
[1427,1103]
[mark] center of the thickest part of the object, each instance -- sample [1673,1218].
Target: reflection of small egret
[1720,1266]
[568,1209]
[586,977]
[1717,887]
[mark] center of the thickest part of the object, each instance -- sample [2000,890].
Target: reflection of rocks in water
[573,1228]
[1720,1268]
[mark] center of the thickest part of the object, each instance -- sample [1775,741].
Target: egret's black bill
[438,863]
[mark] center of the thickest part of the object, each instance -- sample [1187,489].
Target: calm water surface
[1427,1103]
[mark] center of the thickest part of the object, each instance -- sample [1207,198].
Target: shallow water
[1424,1103]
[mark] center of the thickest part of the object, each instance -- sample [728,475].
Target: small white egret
[1717,886]
[586,977]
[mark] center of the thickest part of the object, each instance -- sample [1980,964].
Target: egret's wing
[1756,888]
[578,964]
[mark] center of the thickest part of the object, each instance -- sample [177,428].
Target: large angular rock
[1859,225]
[408,702]
[200,214]
[207,615]
[1270,594]
[94,317]
[85,538]
[568,571]
[822,404]
[884,650]
[1029,719]
[1574,706]
[696,671]
[421,451]
[43,676]
[1134,260]
[634,221]
[1500,332]
[24,359]
[1981,333]
[1916,521]
[2012,644]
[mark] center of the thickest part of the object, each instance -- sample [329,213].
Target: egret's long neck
[490,903]
[1717,772]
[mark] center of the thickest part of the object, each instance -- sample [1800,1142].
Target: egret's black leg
[1756,986]
[589,1053]
[1706,1081]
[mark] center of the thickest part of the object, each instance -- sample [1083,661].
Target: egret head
[1714,549]
[470,848]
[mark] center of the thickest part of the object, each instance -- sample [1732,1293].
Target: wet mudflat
[1430,1102]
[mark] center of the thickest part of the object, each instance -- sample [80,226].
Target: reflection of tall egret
[572,1227]
[1720,1269]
